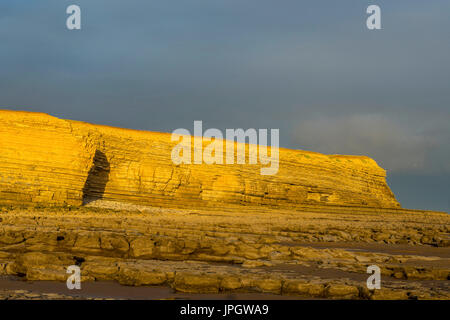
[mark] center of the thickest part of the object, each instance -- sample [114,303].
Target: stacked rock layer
[46,160]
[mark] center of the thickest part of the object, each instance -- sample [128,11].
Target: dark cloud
[397,146]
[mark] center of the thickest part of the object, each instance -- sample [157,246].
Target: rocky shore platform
[245,252]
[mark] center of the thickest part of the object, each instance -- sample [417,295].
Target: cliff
[46,160]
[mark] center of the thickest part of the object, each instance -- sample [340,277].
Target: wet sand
[113,290]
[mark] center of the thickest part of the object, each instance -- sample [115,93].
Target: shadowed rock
[94,187]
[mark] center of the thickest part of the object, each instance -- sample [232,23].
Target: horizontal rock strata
[45,160]
[112,201]
[322,255]
[41,160]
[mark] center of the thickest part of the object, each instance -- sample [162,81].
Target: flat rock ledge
[303,254]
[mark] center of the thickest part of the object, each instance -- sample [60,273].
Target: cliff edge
[50,161]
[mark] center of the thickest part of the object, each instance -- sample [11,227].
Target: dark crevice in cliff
[98,177]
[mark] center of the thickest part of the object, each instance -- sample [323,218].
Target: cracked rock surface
[280,252]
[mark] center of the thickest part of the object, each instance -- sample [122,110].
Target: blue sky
[310,68]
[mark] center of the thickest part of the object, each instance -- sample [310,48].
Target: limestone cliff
[52,161]
[41,160]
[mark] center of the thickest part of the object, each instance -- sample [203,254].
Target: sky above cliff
[310,68]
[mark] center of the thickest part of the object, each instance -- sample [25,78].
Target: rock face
[53,161]
[41,160]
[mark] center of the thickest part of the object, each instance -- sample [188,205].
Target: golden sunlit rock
[51,161]
[112,202]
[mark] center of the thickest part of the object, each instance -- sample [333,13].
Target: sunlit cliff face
[53,161]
